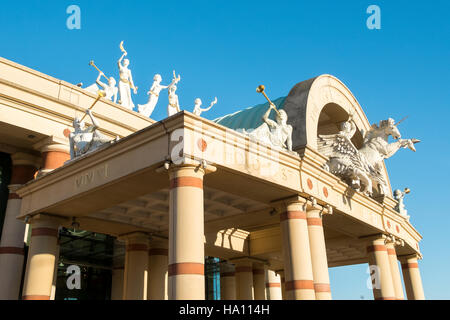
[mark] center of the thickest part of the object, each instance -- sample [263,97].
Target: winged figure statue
[362,168]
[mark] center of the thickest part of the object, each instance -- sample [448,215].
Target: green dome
[249,118]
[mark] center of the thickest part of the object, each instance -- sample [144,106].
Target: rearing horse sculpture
[364,167]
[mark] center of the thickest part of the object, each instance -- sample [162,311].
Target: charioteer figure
[86,139]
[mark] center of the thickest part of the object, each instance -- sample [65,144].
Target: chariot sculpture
[363,168]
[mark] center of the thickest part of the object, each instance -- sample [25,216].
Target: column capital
[205,167]
[137,236]
[393,241]
[227,267]
[47,218]
[25,159]
[246,260]
[52,143]
[158,243]
[281,204]
[405,258]
[376,238]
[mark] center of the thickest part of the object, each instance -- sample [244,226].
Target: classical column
[117,283]
[382,285]
[259,281]
[55,274]
[136,266]
[273,285]
[283,292]
[157,271]
[296,251]
[244,279]
[318,253]
[186,234]
[118,271]
[227,281]
[411,277]
[54,151]
[42,255]
[12,242]
[395,271]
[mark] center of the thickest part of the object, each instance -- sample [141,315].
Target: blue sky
[226,49]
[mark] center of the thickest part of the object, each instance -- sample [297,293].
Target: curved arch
[305,103]
[306,100]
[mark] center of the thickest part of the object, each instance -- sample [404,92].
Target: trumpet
[91,63]
[261,89]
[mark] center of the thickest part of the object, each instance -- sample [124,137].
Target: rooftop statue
[174,105]
[197,104]
[277,134]
[400,207]
[126,81]
[109,89]
[147,109]
[361,168]
[86,139]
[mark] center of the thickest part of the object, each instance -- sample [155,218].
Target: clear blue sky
[227,48]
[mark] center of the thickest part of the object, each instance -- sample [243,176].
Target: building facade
[140,216]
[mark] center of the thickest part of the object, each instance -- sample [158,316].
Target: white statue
[126,81]
[364,167]
[277,133]
[110,89]
[174,105]
[86,139]
[399,196]
[147,109]
[197,104]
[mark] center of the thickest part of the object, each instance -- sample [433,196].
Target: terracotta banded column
[259,281]
[157,271]
[227,281]
[273,285]
[395,271]
[42,255]
[299,283]
[136,266]
[12,242]
[411,277]
[383,288]
[318,254]
[244,279]
[186,234]
[54,151]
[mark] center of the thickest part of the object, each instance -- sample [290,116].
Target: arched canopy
[307,100]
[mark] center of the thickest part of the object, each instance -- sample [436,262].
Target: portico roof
[249,118]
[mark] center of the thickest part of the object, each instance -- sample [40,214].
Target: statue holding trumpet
[277,133]
[109,89]
[126,81]
[86,138]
